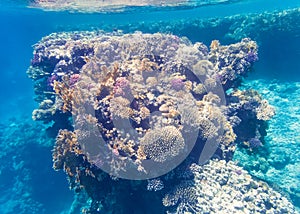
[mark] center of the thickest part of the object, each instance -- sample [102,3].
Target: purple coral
[73,79]
[251,57]
[51,79]
[121,87]
[255,143]
[177,84]
[36,60]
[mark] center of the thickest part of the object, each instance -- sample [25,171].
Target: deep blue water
[28,184]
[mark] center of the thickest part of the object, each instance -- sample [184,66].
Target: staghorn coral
[65,94]
[141,105]
[66,141]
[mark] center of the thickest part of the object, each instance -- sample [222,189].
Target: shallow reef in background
[282,25]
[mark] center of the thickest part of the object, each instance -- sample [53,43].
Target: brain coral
[162,144]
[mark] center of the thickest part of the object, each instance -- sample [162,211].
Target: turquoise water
[28,182]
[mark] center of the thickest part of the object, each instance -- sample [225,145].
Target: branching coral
[66,142]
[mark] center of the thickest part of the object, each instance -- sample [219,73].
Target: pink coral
[121,87]
[177,84]
[73,79]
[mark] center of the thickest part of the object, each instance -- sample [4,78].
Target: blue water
[28,184]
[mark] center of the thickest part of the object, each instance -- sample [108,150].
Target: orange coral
[66,142]
[214,45]
[63,90]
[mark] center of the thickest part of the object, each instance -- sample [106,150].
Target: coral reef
[144,106]
[243,105]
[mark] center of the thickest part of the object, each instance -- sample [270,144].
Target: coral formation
[143,105]
[229,28]
[251,116]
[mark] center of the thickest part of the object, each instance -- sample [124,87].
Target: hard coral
[162,144]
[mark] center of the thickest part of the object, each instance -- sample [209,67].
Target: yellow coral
[214,45]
